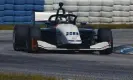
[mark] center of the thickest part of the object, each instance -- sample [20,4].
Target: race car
[62,34]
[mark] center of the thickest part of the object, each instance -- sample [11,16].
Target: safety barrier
[19,11]
[100,11]
[91,11]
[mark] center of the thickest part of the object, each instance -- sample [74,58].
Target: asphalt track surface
[76,65]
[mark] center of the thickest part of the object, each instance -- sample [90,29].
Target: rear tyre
[105,35]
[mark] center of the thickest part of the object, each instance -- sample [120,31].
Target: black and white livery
[62,33]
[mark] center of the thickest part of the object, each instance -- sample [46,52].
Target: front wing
[96,47]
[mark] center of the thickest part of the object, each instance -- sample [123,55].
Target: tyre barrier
[125,8]
[125,14]
[107,8]
[48,7]
[70,2]
[56,1]
[125,19]
[1,7]
[8,6]
[49,2]
[83,3]
[131,7]
[94,14]
[14,10]
[71,8]
[108,2]
[115,9]
[95,2]
[83,14]
[106,14]
[82,19]
[106,20]
[83,8]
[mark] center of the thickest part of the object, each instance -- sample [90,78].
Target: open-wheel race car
[62,34]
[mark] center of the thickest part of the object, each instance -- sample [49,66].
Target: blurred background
[90,11]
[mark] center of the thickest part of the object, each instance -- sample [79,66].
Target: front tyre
[25,38]
[14,42]
[105,35]
[20,33]
[33,36]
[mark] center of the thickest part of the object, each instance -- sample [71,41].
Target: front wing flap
[96,47]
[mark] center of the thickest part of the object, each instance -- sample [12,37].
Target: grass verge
[113,26]
[95,26]
[13,76]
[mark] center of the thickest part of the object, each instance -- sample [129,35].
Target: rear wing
[43,16]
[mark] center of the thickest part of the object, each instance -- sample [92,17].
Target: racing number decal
[72,33]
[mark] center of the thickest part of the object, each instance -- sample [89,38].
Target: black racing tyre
[34,35]
[20,33]
[25,38]
[15,46]
[106,35]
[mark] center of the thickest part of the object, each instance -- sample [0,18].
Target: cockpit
[61,18]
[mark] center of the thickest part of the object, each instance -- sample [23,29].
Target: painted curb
[124,49]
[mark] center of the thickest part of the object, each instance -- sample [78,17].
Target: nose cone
[71,33]
[73,38]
